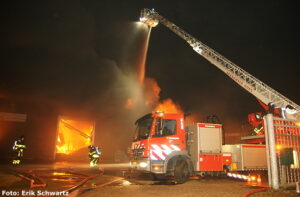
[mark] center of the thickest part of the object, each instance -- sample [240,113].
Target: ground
[114,182]
[210,187]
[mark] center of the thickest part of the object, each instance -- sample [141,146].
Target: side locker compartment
[211,162]
[205,144]
[193,146]
[210,138]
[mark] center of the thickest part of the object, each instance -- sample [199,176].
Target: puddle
[125,183]
[61,174]
[65,179]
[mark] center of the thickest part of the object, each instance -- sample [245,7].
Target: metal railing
[283,151]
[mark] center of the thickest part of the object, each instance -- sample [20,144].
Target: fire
[152,91]
[73,135]
[150,99]
[168,106]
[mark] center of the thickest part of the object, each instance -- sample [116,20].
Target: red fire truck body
[166,148]
[180,152]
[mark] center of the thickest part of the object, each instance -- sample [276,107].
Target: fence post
[267,152]
[270,138]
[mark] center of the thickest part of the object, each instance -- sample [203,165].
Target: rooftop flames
[168,106]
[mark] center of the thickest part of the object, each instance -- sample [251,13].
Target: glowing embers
[73,135]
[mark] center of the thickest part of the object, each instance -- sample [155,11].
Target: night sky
[77,53]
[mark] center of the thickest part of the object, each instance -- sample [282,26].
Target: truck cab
[157,137]
[163,147]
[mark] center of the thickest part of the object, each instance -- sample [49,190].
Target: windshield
[165,127]
[143,128]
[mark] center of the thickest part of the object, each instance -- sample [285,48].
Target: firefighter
[258,130]
[256,120]
[19,147]
[94,155]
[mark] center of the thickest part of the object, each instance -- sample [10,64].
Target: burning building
[73,137]
[48,136]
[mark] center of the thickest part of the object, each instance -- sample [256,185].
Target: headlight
[157,168]
[143,164]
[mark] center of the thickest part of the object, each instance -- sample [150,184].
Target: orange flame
[151,96]
[73,135]
[168,106]
[152,91]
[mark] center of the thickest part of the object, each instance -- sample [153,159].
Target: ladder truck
[257,88]
[164,146]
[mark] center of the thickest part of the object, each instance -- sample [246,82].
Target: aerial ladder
[260,90]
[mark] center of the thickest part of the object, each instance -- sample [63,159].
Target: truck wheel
[181,172]
[160,177]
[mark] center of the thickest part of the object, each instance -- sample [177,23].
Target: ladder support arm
[250,83]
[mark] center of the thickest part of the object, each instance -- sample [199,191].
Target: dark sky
[73,52]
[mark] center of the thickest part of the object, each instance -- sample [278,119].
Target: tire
[181,172]
[160,177]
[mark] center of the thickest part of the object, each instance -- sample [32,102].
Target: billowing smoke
[72,64]
[82,59]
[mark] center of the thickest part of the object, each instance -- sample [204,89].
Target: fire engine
[166,148]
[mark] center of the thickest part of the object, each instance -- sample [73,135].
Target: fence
[283,151]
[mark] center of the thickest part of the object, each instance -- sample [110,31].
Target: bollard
[298,187]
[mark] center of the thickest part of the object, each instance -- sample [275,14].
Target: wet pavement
[55,177]
[71,179]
